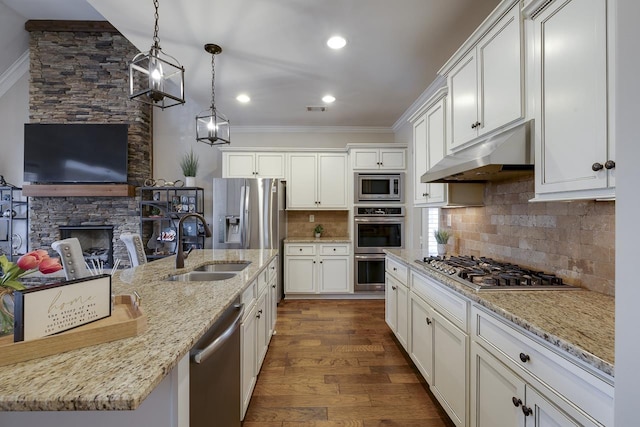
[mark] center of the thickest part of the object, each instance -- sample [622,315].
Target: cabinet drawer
[396,269]
[272,269]
[249,296]
[452,306]
[544,366]
[263,279]
[329,250]
[300,249]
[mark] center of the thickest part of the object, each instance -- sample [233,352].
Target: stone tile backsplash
[575,240]
[335,223]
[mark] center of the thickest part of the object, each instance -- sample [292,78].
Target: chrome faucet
[180,255]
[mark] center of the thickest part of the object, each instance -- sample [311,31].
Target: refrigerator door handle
[241,214]
[246,215]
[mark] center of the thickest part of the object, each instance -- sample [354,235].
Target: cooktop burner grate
[484,274]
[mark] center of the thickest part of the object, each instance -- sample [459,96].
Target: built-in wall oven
[376,229]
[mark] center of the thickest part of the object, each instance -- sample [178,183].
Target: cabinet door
[420,160]
[300,274]
[463,93]
[391,302]
[334,274]
[570,86]
[262,328]
[546,414]
[436,148]
[248,354]
[270,165]
[332,181]
[238,165]
[421,338]
[365,158]
[493,390]
[273,305]
[500,73]
[450,368]
[301,181]
[402,311]
[392,158]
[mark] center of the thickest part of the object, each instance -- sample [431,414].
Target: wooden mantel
[79,190]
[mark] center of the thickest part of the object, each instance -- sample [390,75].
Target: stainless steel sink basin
[202,276]
[224,266]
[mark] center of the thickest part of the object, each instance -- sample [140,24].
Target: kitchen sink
[202,276]
[224,266]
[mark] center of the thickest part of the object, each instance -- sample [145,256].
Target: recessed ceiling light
[328,99]
[336,42]
[243,97]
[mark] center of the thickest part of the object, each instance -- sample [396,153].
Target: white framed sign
[49,309]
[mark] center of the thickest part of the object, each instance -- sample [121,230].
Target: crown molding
[436,85]
[311,129]
[14,73]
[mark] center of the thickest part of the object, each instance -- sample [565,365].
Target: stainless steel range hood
[506,155]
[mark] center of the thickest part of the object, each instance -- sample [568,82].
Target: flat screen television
[75,153]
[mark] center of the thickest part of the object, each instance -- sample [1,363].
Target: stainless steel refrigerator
[249,214]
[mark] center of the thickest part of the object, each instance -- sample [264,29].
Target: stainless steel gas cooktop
[486,274]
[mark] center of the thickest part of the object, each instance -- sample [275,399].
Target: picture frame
[49,309]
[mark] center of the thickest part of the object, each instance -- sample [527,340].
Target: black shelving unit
[160,211]
[14,222]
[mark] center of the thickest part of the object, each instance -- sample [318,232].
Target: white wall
[14,113]
[14,39]
[627,351]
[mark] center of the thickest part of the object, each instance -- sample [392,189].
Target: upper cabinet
[243,164]
[485,78]
[317,181]
[571,80]
[371,158]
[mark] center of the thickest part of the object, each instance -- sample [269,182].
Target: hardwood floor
[335,363]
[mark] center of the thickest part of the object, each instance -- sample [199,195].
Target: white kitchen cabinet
[322,268]
[421,337]
[317,181]
[571,74]
[429,147]
[273,295]
[248,355]
[262,327]
[486,84]
[371,158]
[253,165]
[397,300]
[558,390]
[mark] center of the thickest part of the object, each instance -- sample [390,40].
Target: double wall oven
[376,228]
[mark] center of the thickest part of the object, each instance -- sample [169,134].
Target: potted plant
[189,165]
[442,237]
[318,230]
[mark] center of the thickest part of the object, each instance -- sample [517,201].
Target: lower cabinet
[257,327]
[317,268]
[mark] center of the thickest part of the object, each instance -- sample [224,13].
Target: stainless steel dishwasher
[214,373]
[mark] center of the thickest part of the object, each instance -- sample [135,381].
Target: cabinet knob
[320,262]
[395,269]
[524,357]
[473,125]
[314,262]
[334,249]
[258,315]
[516,402]
[300,249]
[610,164]
[273,286]
[526,411]
[596,167]
[427,320]
[394,288]
[425,194]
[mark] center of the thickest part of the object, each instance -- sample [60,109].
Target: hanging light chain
[156,39]
[213,81]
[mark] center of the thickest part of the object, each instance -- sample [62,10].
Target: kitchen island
[120,375]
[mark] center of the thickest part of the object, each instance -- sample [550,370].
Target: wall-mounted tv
[75,153]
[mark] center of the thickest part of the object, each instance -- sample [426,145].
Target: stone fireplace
[96,242]
[79,74]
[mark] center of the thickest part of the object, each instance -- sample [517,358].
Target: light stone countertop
[119,375]
[317,240]
[580,322]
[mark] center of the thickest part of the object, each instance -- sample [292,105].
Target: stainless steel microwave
[379,187]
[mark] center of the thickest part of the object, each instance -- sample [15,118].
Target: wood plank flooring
[335,363]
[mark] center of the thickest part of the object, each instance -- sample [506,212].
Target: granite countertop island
[317,240]
[580,322]
[119,375]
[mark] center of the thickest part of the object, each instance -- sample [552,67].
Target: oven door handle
[384,219]
[370,256]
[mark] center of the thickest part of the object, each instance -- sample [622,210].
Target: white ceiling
[275,51]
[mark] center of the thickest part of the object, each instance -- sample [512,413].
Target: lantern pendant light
[212,127]
[156,78]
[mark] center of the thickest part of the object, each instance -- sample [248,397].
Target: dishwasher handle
[202,355]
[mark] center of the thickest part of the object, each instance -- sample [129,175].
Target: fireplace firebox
[96,242]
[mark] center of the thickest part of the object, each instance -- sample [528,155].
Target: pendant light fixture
[154,77]
[212,127]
